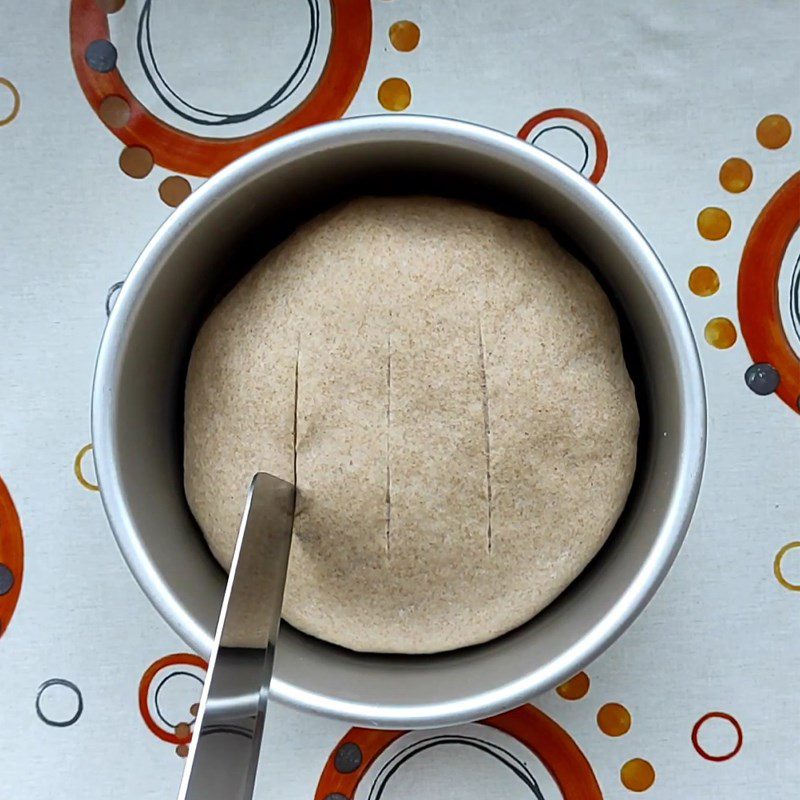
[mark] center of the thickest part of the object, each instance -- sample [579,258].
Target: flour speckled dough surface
[447,389]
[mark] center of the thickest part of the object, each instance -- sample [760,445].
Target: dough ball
[447,390]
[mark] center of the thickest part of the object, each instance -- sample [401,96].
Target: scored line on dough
[486,435]
[388,443]
[294,425]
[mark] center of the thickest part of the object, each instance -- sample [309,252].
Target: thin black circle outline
[794,297]
[59,723]
[144,39]
[160,686]
[497,752]
[573,131]
[112,292]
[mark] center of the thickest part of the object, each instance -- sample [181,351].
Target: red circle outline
[758,301]
[717,715]
[176,659]
[176,150]
[600,143]
[12,554]
[547,740]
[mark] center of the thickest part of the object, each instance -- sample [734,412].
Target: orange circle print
[758,301]
[358,750]
[600,143]
[179,737]
[179,151]
[11,557]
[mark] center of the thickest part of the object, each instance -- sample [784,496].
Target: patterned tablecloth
[686,114]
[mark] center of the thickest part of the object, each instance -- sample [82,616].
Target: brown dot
[713,223]
[704,281]
[182,750]
[614,719]
[194,709]
[110,6]
[736,175]
[115,111]
[174,190]
[136,161]
[394,94]
[575,688]
[183,731]
[774,131]
[637,775]
[404,35]
[720,333]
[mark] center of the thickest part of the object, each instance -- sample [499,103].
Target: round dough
[446,387]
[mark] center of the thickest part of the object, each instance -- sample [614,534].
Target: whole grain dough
[447,390]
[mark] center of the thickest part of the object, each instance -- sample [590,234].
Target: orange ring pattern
[758,301]
[600,143]
[11,554]
[176,150]
[174,660]
[547,740]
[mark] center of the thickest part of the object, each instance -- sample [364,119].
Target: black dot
[762,378]
[101,55]
[6,579]
[348,758]
[335,796]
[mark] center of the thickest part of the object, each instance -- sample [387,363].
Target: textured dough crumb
[446,387]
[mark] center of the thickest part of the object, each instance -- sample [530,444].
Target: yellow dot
[637,775]
[774,131]
[778,567]
[575,688]
[713,223]
[614,719]
[404,35]
[394,94]
[704,281]
[720,333]
[736,175]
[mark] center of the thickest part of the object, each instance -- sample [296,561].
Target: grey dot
[335,796]
[6,579]
[762,378]
[348,758]
[101,55]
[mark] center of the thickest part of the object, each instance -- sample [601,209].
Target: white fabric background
[677,89]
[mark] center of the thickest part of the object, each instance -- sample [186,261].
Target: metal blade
[223,758]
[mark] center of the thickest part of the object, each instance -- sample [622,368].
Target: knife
[223,757]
